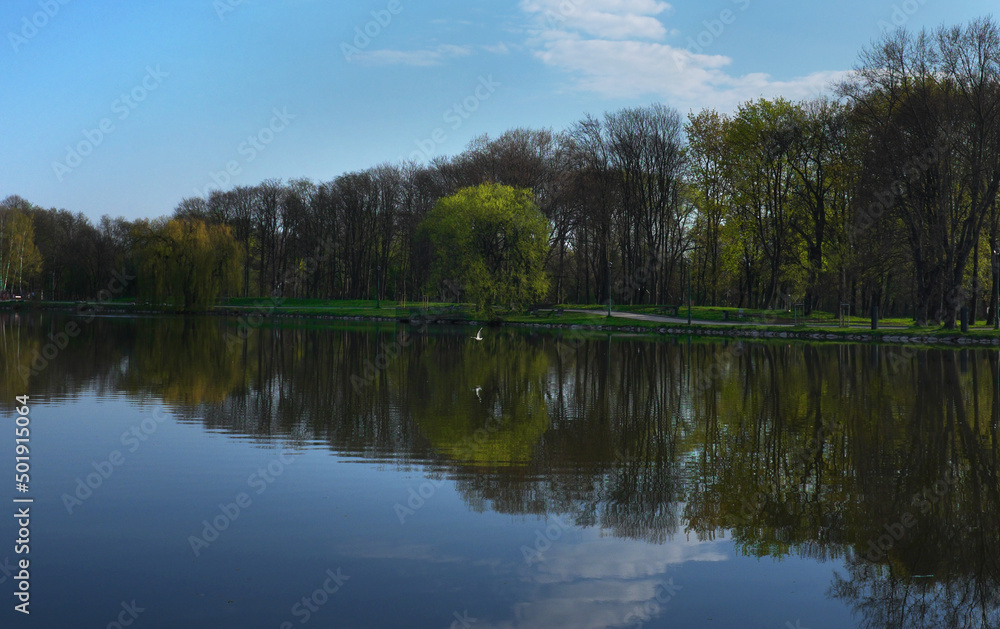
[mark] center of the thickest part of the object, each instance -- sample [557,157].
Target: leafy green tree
[824,170]
[20,261]
[759,138]
[493,241]
[706,133]
[188,264]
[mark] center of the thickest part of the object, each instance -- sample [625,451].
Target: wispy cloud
[604,582]
[605,19]
[618,49]
[499,49]
[429,57]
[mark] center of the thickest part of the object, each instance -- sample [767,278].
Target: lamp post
[689,289]
[609,287]
[996,293]
[378,287]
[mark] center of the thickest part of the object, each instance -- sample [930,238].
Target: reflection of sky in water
[595,581]
[591,581]
[130,540]
[588,579]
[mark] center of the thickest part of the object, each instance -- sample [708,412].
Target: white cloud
[604,558]
[431,57]
[615,48]
[607,19]
[499,49]
[604,582]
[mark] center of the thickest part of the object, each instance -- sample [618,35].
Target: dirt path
[665,319]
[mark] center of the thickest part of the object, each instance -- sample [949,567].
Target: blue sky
[124,107]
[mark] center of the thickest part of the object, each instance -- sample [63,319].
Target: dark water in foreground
[184,477]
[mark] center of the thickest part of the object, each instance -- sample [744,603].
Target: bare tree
[931,106]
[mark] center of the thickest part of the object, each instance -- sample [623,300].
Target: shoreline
[440,316]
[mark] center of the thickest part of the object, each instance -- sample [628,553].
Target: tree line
[883,195]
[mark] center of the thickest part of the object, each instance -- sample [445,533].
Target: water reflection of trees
[35,356]
[882,597]
[804,449]
[18,344]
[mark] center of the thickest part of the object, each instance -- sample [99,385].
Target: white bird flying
[478,336]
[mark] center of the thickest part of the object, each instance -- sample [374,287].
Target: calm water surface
[365,476]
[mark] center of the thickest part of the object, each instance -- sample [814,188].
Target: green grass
[817,322]
[715,313]
[305,303]
[450,311]
[703,313]
[577,318]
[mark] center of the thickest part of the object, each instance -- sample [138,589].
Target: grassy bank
[707,321]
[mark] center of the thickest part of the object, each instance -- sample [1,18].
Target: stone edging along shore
[763,333]
[954,340]
[803,335]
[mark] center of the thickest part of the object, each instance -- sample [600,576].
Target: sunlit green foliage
[20,260]
[492,241]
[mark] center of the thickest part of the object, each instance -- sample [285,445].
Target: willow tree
[188,264]
[492,240]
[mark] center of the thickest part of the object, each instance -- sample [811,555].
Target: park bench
[670,311]
[411,314]
[739,315]
[537,309]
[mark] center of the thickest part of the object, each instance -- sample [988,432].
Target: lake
[193,472]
